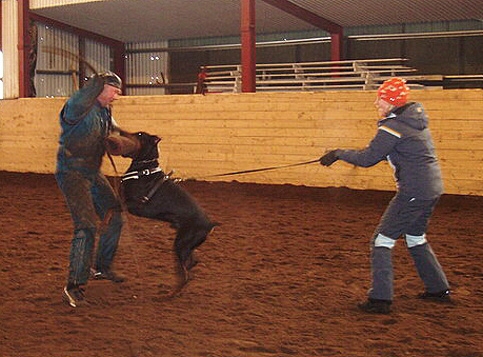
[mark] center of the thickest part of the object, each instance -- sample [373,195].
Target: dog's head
[147,148]
[137,146]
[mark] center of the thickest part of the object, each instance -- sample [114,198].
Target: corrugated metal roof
[155,20]
[376,12]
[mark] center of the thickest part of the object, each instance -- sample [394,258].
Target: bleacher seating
[312,76]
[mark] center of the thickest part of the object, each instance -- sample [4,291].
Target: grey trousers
[404,216]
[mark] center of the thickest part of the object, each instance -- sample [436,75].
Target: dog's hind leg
[198,238]
[181,258]
[188,238]
[197,235]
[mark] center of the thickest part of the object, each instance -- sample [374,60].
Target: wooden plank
[219,133]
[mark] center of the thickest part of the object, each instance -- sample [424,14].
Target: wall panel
[214,134]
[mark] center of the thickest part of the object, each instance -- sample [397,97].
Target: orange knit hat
[394,91]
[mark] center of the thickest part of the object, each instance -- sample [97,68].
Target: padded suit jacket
[404,140]
[84,126]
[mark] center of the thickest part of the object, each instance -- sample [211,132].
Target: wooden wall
[220,133]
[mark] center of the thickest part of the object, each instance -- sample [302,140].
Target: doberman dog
[148,192]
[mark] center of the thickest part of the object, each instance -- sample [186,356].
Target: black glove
[111,79]
[330,157]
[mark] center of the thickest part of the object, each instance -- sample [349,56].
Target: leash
[255,170]
[161,180]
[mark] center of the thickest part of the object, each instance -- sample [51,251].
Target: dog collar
[137,174]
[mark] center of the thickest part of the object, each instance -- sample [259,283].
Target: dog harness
[146,172]
[138,174]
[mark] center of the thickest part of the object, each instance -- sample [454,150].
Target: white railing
[311,76]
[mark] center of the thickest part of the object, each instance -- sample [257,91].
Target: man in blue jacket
[404,140]
[85,122]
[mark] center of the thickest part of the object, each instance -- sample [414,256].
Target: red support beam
[336,46]
[334,29]
[24,47]
[248,46]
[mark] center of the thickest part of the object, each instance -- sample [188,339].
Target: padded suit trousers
[90,199]
[407,217]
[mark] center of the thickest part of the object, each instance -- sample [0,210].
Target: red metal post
[248,46]
[336,46]
[24,44]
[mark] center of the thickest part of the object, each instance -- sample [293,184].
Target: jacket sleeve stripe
[390,131]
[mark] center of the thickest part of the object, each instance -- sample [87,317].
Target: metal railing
[310,76]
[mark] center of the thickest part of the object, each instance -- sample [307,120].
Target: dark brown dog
[149,192]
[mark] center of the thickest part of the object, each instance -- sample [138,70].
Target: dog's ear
[156,139]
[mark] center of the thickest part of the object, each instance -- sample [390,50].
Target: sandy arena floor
[280,277]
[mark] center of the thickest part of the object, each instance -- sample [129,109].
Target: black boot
[375,306]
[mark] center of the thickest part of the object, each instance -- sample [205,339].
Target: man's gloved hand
[111,79]
[118,145]
[330,157]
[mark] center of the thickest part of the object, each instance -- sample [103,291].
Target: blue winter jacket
[404,140]
[84,126]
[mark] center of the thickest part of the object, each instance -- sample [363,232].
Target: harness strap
[138,174]
[135,175]
[156,187]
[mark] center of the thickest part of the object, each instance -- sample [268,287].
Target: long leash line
[167,177]
[270,168]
